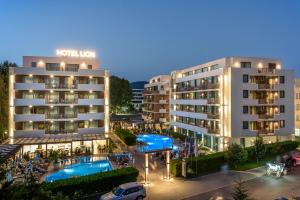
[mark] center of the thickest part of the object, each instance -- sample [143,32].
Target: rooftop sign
[75,53]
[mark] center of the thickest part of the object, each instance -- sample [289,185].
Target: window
[214,67]
[245,94]
[272,66]
[297,117]
[282,109]
[90,67]
[281,79]
[297,95]
[245,125]
[245,78]
[245,64]
[33,64]
[282,123]
[297,106]
[245,109]
[282,94]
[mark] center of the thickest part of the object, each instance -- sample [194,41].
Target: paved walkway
[181,189]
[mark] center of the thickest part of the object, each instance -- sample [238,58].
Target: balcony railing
[266,101]
[266,116]
[265,86]
[268,71]
[61,115]
[61,101]
[265,132]
[213,85]
[213,131]
[213,115]
[63,131]
[61,86]
[213,101]
[66,68]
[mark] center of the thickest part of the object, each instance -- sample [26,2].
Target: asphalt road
[264,187]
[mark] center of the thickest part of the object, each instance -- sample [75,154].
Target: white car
[127,191]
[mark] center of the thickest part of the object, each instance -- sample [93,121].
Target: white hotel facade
[59,103]
[233,99]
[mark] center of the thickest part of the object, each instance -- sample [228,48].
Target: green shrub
[236,155]
[94,183]
[126,136]
[199,166]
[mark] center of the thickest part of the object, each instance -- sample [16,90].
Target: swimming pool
[153,142]
[79,169]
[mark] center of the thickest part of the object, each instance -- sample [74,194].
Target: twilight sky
[143,38]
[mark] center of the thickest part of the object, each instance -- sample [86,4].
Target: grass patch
[253,164]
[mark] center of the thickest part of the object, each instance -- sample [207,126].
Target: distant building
[297,106]
[156,102]
[59,102]
[137,93]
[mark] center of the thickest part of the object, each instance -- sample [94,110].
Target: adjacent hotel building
[233,99]
[156,102]
[59,102]
[137,94]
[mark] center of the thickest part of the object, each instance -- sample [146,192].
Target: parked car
[127,191]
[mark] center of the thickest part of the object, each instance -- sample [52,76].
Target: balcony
[213,101]
[213,85]
[162,101]
[266,101]
[162,120]
[61,86]
[96,130]
[29,117]
[213,115]
[61,101]
[268,71]
[162,110]
[64,131]
[61,115]
[265,86]
[88,116]
[213,131]
[266,116]
[151,92]
[265,132]
[62,69]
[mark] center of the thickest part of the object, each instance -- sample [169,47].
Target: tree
[120,94]
[240,192]
[236,155]
[259,148]
[4,85]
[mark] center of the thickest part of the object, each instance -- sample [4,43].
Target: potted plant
[54,155]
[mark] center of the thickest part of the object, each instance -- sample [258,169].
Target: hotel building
[156,102]
[59,103]
[137,94]
[232,100]
[297,106]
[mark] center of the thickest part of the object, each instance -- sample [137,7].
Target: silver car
[127,191]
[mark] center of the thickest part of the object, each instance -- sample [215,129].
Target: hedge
[126,136]
[205,165]
[94,183]
[213,162]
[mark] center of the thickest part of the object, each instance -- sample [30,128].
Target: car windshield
[117,191]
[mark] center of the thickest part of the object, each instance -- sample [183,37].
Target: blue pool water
[154,143]
[79,169]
